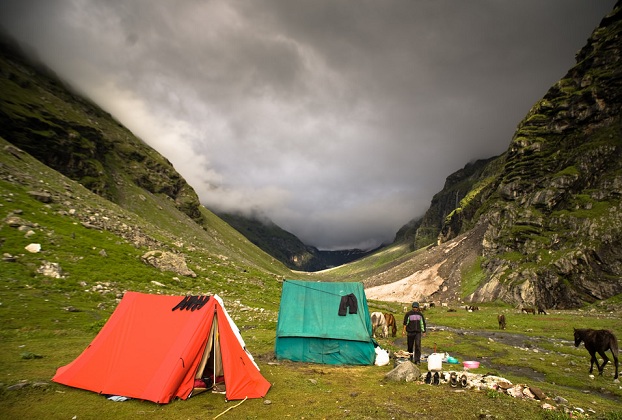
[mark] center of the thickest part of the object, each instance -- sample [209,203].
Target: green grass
[472,277]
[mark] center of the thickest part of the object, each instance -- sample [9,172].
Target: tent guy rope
[230,408]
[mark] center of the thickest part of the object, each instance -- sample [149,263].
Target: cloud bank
[339,120]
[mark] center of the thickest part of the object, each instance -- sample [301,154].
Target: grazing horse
[598,341]
[390,319]
[529,311]
[541,310]
[377,320]
[501,319]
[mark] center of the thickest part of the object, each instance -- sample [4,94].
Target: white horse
[378,320]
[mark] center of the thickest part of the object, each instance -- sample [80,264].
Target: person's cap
[415,304]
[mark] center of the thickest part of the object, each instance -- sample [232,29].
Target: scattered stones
[539,394]
[30,355]
[50,269]
[25,384]
[41,196]
[33,248]
[560,400]
[18,386]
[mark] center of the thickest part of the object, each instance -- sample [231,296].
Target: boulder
[406,372]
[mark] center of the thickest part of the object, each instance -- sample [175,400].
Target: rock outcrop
[552,208]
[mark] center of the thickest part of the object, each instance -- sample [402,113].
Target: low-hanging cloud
[337,120]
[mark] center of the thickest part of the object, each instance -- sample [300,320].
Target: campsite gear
[452,360]
[435,362]
[453,379]
[148,351]
[470,364]
[400,357]
[463,381]
[436,379]
[428,378]
[382,357]
[309,328]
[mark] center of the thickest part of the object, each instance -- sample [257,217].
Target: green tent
[325,323]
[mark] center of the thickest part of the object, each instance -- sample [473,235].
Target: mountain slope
[143,198]
[65,131]
[548,211]
[554,231]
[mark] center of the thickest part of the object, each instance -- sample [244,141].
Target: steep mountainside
[550,207]
[143,199]
[459,186]
[40,115]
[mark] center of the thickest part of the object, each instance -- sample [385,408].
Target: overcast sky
[339,120]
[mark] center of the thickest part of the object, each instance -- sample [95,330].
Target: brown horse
[598,341]
[501,319]
[529,311]
[391,323]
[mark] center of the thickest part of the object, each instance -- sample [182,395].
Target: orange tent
[152,349]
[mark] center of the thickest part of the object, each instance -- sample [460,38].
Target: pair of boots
[453,380]
[433,379]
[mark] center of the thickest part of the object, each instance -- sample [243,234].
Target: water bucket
[435,362]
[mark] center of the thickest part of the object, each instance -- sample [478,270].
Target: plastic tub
[470,364]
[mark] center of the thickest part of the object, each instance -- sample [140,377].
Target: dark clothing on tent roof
[348,301]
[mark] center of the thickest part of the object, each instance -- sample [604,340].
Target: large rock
[404,372]
[168,261]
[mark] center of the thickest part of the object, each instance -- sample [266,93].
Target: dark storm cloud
[338,119]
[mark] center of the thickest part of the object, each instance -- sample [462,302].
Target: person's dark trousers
[414,341]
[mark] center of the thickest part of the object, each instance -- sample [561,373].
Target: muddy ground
[506,338]
[530,343]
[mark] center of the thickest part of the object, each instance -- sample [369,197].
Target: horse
[529,311]
[377,320]
[541,311]
[390,319]
[598,341]
[501,319]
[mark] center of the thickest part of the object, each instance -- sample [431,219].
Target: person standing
[414,326]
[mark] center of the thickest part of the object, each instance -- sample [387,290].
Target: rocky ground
[430,276]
